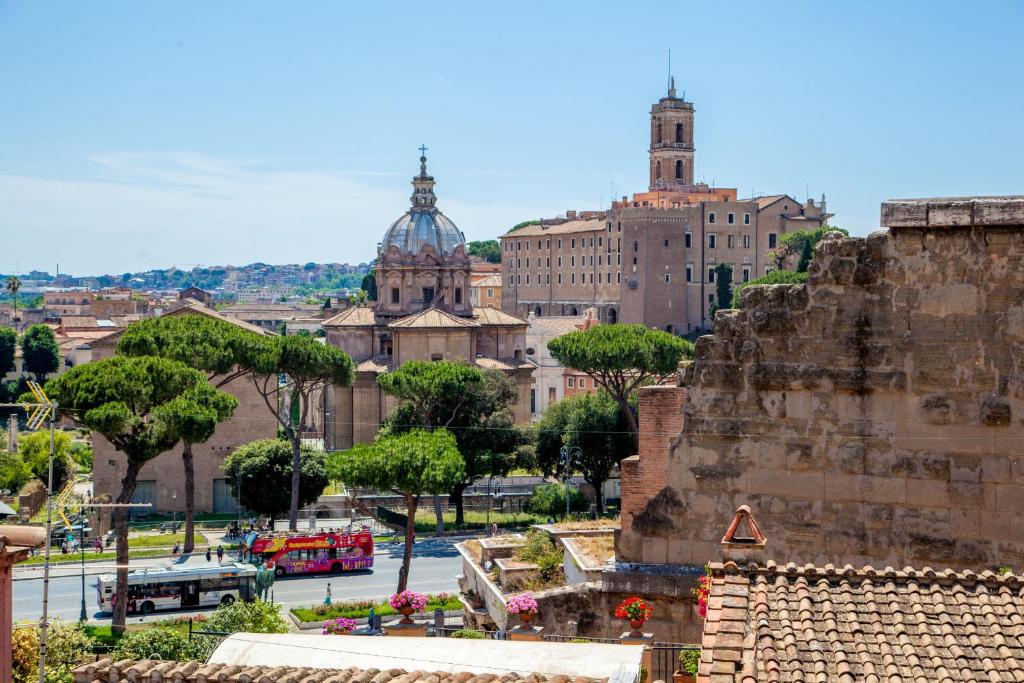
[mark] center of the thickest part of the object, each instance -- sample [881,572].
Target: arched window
[679,132]
[613,317]
[657,170]
[658,137]
[574,311]
[537,311]
[679,169]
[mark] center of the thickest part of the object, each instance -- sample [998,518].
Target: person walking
[327,598]
[175,550]
[220,553]
[208,557]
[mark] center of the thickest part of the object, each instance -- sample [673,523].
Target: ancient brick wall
[873,416]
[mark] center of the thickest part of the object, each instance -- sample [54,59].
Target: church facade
[423,312]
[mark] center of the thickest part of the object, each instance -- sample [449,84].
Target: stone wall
[873,416]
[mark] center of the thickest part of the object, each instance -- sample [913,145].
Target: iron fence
[557,638]
[448,631]
[665,659]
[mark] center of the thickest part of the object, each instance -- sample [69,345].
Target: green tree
[13,285]
[369,285]
[489,250]
[311,368]
[723,287]
[549,499]
[477,409]
[214,347]
[13,471]
[39,351]
[239,617]
[410,464]
[595,425]
[8,344]
[258,469]
[799,245]
[134,404]
[34,448]
[431,394]
[152,643]
[776,277]
[621,358]
[806,254]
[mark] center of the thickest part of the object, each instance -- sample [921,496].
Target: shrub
[549,499]
[13,471]
[155,643]
[250,617]
[67,646]
[690,661]
[81,453]
[468,634]
[541,551]
[776,277]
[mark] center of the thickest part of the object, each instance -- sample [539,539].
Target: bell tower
[671,150]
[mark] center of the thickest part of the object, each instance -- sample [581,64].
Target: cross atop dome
[423,198]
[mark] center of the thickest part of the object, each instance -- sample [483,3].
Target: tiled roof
[486,315]
[555,325]
[376,364]
[571,226]
[431,318]
[77,321]
[788,623]
[768,200]
[501,363]
[157,671]
[357,316]
[489,281]
[186,306]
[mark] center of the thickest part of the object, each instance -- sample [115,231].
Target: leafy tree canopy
[39,351]
[621,358]
[489,250]
[412,462]
[369,285]
[34,449]
[799,245]
[435,392]
[776,277]
[549,499]
[258,469]
[8,344]
[519,226]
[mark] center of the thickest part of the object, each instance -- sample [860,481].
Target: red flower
[633,609]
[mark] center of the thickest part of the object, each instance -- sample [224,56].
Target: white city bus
[161,588]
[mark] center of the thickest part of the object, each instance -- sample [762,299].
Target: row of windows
[730,218]
[427,293]
[712,241]
[602,278]
[572,261]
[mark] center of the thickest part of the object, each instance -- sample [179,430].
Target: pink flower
[417,601]
[522,604]
[339,626]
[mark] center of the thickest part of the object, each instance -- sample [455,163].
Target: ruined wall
[873,416]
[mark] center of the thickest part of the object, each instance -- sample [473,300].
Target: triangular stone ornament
[744,541]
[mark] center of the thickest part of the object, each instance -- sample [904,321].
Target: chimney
[743,543]
[570,214]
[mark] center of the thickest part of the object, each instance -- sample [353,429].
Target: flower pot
[683,677]
[406,613]
[526,618]
[637,626]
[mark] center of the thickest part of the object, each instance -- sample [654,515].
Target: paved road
[434,567]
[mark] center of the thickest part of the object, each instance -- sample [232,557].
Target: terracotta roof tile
[357,316]
[433,318]
[489,281]
[495,316]
[843,624]
[155,671]
[570,226]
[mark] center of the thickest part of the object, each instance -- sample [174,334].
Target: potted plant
[525,606]
[689,664]
[636,612]
[342,626]
[701,593]
[408,603]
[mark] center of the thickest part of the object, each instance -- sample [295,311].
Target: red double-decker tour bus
[312,553]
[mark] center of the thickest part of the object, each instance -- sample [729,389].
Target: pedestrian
[208,558]
[97,545]
[494,529]
[175,550]
[220,553]
[327,598]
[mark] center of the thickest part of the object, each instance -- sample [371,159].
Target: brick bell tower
[671,141]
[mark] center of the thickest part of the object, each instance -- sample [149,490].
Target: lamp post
[493,490]
[567,454]
[82,615]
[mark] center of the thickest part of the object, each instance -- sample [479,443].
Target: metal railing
[557,638]
[665,659]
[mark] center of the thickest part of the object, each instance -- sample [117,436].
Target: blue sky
[138,135]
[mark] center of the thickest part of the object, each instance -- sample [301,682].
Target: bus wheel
[147,607]
[227,599]
[279,572]
[336,568]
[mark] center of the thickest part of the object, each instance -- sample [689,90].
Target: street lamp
[567,454]
[493,490]
[174,513]
[82,615]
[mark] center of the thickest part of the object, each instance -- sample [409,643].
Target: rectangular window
[583,382]
[688,240]
[689,272]
[666,244]
[549,262]
[746,241]
[519,279]
[572,382]
[559,278]
[600,241]
[599,278]
[619,229]
[572,243]
[559,261]
[572,278]
[559,244]
[746,273]
[572,261]
[548,244]
[746,219]
[519,246]
[538,245]
[712,240]
[547,278]
[711,274]
[668,278]
[773,240]
[428,295]
[527,261]
[396,295]
[591,242]
[527,278]
[519,263]
[598,259]
[511,279]
[458,295]
[711,217]
[490,295]
[618,277]
[618,259]
[527,245]
[591,259]
[591,278]
[730,218]
[731,240]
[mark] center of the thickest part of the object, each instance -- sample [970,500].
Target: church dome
[423,224]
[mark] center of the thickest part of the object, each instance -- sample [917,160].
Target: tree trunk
[128,485]
[634,428]
[410,536]
[293,509]
[190,497]
[455,497]
[598,496]
[438,515]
